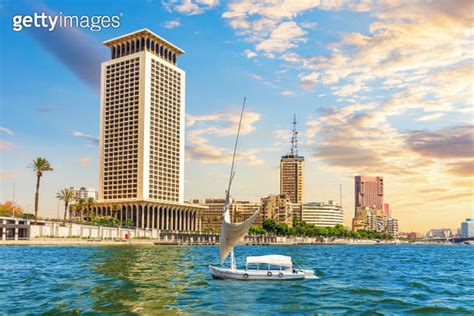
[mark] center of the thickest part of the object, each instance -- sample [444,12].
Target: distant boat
[270,267]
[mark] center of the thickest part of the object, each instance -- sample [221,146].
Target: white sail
[231,233]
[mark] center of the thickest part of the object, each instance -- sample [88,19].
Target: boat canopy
[276,260]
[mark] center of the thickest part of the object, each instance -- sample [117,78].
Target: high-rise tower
[292,171]
[141,168]
[142,120]
[369,192]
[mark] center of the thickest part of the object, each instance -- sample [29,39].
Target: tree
[66,195]
[39,166]
[237,215]
[89,204]
[10,208]
[256,230]
[81,204]
[115,209]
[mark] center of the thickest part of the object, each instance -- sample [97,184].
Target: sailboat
[269,267]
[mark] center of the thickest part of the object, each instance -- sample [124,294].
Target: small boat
[270,267]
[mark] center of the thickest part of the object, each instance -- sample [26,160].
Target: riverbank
[150,242]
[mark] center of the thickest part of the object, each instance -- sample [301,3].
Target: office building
[467,228]
[369,192]
[212,216]
[292,172]
[239,212]
[141,167]
[322,214]
[280,209]
[392,227]
[85,193]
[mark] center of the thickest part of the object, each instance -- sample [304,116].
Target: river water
[387,279]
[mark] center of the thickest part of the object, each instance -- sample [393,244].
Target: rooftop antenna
[294,139]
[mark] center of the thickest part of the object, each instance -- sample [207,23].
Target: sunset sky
[380,88]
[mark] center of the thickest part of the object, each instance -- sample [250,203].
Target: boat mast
[232,171]
[231,177]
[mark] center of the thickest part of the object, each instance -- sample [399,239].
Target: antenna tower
[294,139]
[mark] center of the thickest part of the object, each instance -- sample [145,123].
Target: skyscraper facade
[142,120]
[292,172]
[369,192]
[141,167]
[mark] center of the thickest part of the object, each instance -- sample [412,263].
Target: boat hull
[245,275]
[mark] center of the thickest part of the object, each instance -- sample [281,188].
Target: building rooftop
[140,33]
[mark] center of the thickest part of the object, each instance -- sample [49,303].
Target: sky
[379,88]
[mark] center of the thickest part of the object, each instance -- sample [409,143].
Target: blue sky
[378,87]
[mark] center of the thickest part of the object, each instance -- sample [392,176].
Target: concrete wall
[94,232]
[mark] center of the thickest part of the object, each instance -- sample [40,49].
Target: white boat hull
[251,274]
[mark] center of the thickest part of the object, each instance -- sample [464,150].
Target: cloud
[172,24]
[80,53]
[285,36]
[308,81]
[287,93]
[430,117]
[198,149]
[8,174]
[249,54]
[455,142]
[45,109]
[5,145]
[463,168]
[282,134]
[203,127]
[223,123]
[85,161]
[271,25]
[467,196]
[190,7]
[255,76]
[86,136]
[6,131]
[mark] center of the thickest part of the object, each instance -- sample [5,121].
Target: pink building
[386,210]
[369,192]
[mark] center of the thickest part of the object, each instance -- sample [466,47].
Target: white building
[392,227]
[440,233]
[142,120]
[322,214]
[85,193]
[467,228]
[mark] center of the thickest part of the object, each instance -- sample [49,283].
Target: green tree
[237,215]
[115,209]
[39,166]
[66,195]
[89,204]
[256,230]
[80,205]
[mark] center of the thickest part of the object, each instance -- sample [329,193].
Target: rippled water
[175,280]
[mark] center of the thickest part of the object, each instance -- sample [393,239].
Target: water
[175,280]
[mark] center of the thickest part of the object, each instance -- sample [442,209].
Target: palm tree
[81,204]
[66,195]
[237,215]
[89,203]
[115,209]
[39,165]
